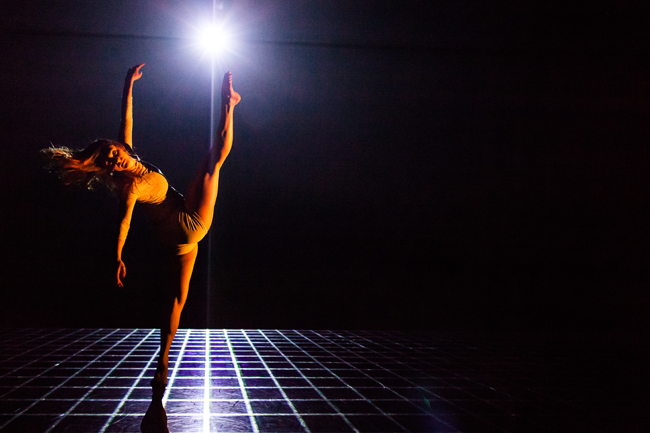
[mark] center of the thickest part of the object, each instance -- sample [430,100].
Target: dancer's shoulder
[152,168]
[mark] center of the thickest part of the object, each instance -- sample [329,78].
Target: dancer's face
[115,158]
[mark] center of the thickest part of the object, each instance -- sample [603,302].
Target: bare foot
[228,95]
[155,420]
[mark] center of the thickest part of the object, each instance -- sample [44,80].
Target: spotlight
[214,39]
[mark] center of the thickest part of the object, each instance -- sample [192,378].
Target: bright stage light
[214,39]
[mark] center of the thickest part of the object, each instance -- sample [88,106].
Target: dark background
[396,164]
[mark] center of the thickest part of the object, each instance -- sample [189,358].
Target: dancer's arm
[126,113]
[126,212]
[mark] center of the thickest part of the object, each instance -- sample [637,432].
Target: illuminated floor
[293,381]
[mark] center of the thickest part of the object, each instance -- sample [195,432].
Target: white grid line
[272,367]
[403,378]
[206,384]
[132,387]
[58,386]
[275,381]
[177,363]
[94,387]
[311,383]
[242,387]
[23,342]
[44,356]
[338,377]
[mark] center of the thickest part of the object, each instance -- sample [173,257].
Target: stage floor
[96,380]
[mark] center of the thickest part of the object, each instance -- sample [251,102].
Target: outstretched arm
[126,114]
[126,212]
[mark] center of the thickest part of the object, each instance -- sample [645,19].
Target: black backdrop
[426,165]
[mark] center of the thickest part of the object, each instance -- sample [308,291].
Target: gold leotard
[165,207]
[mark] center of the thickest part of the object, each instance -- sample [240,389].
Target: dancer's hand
[134,73]
[121,273]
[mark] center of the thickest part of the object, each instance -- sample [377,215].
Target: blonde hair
[80,167]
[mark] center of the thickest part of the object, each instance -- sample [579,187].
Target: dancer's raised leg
[202,192]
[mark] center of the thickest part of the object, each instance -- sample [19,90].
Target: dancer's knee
[177,308]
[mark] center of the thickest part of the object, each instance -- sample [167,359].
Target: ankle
[161,374]
[157,389]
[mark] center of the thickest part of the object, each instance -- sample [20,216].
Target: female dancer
[181,222]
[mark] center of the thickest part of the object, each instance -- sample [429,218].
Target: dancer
[180,222]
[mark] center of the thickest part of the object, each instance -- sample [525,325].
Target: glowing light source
[214,39]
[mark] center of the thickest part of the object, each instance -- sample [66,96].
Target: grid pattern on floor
[284,381]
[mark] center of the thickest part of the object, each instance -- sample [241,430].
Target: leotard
[177,228]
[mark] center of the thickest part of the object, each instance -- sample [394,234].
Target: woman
[181,222]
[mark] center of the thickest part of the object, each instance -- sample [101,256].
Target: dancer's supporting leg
[180,268]
[200,198]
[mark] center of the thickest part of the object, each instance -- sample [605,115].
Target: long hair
[80,167]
